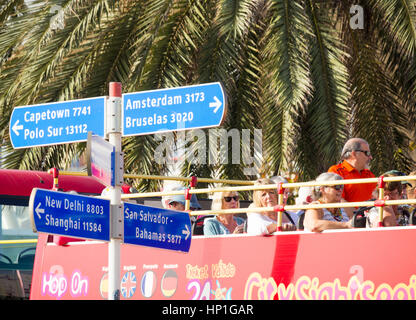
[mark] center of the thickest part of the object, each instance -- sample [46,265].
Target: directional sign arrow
[39,210]
[186,232]
[16,127]
[217,104]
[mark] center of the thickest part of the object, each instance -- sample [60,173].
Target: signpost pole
[113,129]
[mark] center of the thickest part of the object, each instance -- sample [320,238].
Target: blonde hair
[257,193]
[216,203]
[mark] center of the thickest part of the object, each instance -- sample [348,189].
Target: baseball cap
[399,173]
[180,198]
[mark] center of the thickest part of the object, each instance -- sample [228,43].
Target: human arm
[389,217]
[210,228]
[348,210]
[314,222]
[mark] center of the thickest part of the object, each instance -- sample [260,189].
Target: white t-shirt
[257,223]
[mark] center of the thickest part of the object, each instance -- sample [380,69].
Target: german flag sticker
[169,283]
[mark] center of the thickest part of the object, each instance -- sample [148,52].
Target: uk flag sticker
[128,284]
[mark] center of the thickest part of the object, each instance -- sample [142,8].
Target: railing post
[380,204]
[192,184]
[55,174]
[280,192]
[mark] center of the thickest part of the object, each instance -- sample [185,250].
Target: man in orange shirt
[355,157]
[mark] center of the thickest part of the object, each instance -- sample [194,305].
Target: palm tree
[296,69]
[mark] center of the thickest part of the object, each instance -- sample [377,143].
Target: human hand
[288,227]
[239,228]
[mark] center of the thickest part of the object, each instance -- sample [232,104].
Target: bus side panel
[68,271]
[357,264]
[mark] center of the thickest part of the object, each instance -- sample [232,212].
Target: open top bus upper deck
[335,264]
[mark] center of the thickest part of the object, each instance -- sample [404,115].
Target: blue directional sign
[70,214]
[155,227]
[173,109]
[56,123]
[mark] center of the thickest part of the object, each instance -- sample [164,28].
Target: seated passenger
[177,202]
[411,190]
[411,194]
[391,214]
[265,222]
[224,223]
[292,216]
[318,220]
[403,211]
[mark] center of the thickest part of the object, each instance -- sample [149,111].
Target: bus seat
[359,219]
[300,221]
[26,257]
[198,225]
[6,258]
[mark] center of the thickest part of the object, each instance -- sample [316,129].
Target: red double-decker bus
[17,240]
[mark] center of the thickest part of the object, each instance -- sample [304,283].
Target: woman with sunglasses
[224,223]
[265,222]
[318,220]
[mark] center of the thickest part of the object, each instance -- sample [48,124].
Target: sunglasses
[338,187]
[228,199]
[366,152]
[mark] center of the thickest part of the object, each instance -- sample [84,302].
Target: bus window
[15,224]
[16,221]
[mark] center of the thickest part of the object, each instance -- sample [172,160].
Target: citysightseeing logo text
[199,148]
[306,288]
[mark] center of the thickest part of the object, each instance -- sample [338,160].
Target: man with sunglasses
[355,157]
